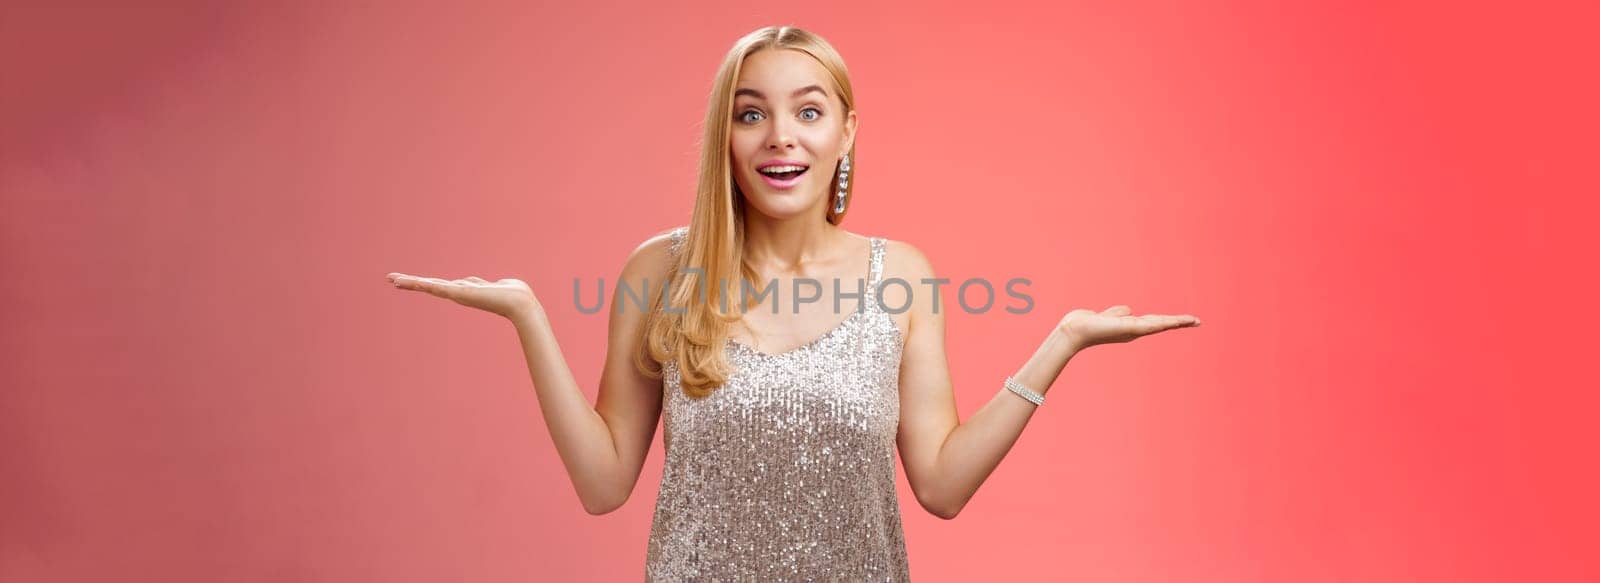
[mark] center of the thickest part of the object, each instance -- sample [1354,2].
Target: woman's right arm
[603,447]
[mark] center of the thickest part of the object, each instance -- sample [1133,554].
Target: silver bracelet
[1024,392]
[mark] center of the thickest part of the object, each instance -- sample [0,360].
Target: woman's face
[790,129]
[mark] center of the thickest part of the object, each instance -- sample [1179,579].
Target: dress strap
[679,235]
[875,275]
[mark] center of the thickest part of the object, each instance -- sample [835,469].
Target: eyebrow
[797,93]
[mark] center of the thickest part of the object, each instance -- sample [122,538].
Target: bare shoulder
[907,286]
[654,256]
[905,261]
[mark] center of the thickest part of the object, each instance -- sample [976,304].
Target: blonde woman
[781,416]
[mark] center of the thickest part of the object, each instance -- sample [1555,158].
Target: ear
[849,131]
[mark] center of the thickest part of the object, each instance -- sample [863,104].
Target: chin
[781,205]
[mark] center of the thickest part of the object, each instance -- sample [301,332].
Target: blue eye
[750,116]
[816,113]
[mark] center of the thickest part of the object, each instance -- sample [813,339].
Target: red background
[1383,213]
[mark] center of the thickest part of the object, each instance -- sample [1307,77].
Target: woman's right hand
[511,298]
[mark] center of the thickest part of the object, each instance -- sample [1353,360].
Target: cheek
[825,140]
[742,147]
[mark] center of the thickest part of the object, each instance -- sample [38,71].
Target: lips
[782,174]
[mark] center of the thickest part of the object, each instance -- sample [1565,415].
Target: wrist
[1064,342]
[528,317]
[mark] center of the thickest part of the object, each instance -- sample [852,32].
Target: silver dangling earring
[844,184]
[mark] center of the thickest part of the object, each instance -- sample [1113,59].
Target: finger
[434,285]
[476,279]
[1118,310]
[403,281]
[1148,324]
[448,289]
[1184,320]
[410,279]
[1159,322]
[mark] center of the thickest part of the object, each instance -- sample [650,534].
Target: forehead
[776,72]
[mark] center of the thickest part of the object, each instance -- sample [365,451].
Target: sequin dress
[787,472]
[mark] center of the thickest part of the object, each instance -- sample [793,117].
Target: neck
[788,245]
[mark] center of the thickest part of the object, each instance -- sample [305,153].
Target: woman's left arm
[945,459]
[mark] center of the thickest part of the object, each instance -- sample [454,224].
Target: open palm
[1117,324]
[507,297]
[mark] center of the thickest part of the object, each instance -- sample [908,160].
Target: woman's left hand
[1116,325]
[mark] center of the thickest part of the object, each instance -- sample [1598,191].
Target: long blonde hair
[695,332]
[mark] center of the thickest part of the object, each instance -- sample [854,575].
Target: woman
[781,424]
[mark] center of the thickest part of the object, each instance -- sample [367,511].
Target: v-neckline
[813,342]
[872,245]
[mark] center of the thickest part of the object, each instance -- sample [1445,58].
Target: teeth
[781,169]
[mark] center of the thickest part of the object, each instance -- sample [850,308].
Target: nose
[781,136]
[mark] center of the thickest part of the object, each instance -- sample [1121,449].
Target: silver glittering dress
[786,472]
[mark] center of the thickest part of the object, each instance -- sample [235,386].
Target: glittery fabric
[787,472]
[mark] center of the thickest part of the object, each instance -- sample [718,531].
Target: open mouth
[784,172]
